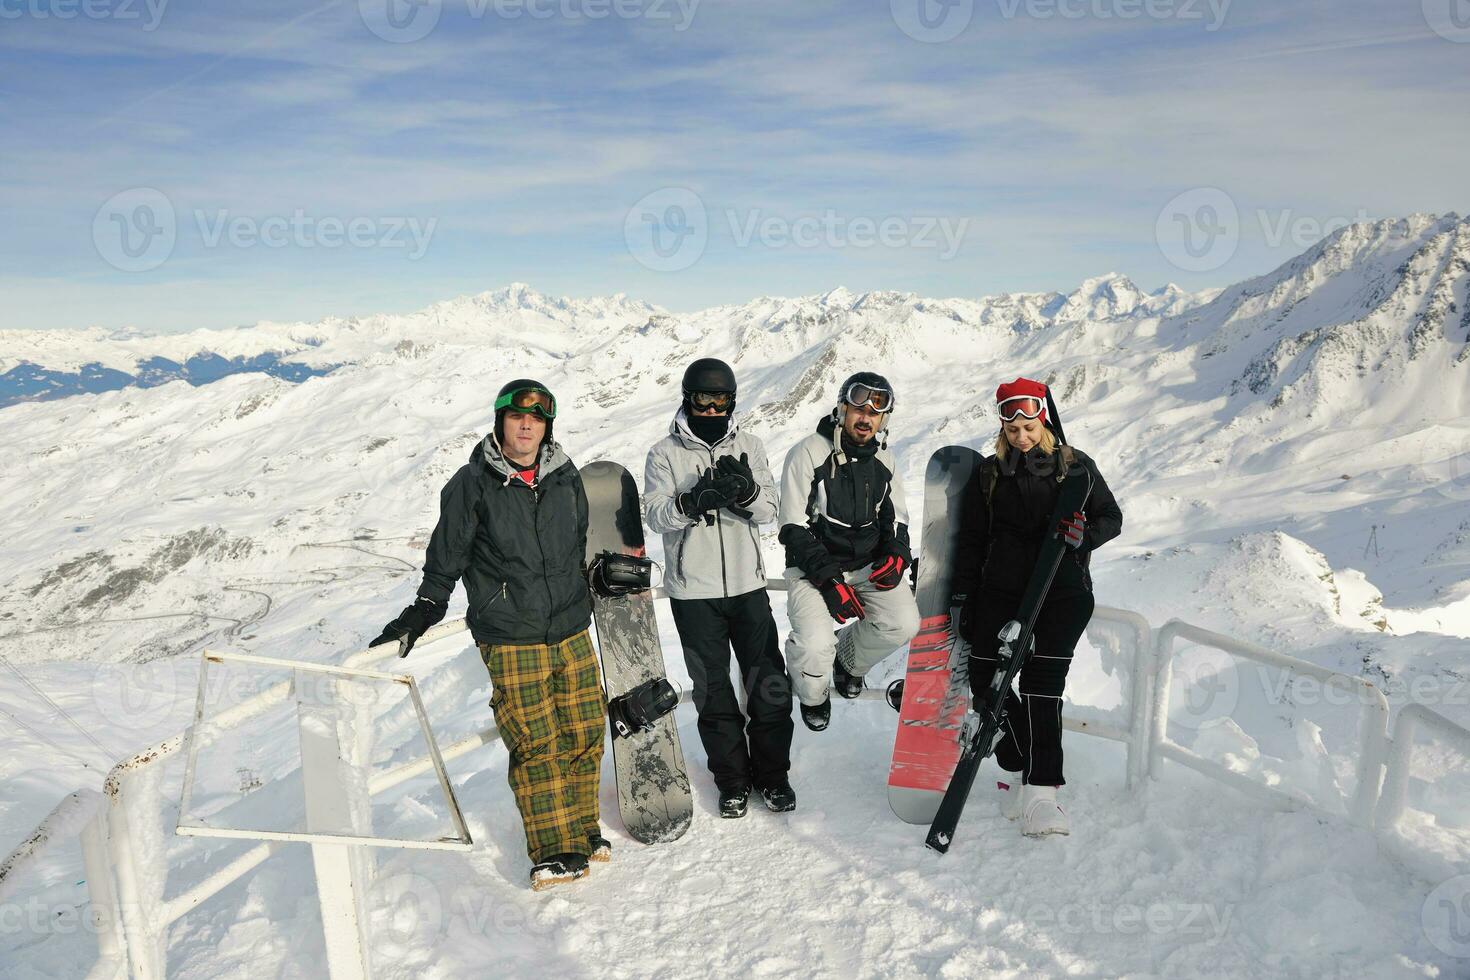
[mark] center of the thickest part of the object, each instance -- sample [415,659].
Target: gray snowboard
[653,785]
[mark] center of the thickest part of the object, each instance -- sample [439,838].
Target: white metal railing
[1401,754]
[1373,728]
[130,927]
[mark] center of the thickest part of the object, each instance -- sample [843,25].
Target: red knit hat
[1022,388]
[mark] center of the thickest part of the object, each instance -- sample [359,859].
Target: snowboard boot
[1041,814]
[557,870]
[848,684]
[817,716]
[779,797]
[1010,801]
[601,848]
[733,802]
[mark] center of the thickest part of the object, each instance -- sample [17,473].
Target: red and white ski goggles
[1021,406]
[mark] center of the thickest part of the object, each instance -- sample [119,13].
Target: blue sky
[809,145]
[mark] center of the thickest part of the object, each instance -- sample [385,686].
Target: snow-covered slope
[1292,455]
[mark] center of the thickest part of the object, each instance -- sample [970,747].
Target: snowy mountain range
[45,365]
[1320,400]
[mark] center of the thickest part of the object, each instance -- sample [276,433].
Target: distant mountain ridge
[44,365]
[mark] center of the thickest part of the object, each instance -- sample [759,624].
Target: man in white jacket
[844,522]
[707,489]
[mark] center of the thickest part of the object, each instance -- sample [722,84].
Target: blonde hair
[1047,442]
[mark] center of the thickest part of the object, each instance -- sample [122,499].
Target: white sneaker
[1041,814]
[1010,800]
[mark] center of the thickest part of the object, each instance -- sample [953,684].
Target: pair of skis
[940,744]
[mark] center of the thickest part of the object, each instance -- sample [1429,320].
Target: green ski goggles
[537,400]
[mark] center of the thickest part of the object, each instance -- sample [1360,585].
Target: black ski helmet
[709,374]
[872,380]
[869,378]
[513,386]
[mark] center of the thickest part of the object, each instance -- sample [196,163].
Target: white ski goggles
[1021,406]
[860,395]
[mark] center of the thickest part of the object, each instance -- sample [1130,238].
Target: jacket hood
[680,427]
[488,451]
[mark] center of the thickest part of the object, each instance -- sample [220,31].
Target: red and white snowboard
[936,688]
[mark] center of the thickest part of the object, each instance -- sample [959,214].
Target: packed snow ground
[1291,455]
[1186,879]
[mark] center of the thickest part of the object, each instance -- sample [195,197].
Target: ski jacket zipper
[720,533]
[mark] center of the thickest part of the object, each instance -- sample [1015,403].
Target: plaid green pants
[551,712]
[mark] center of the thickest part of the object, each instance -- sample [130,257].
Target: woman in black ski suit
[1006,517]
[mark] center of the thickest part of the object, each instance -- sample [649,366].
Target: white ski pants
[891,620]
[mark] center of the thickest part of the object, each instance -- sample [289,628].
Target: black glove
[888,572]
[842,600]
[412,623]
[709,493]
[1073,530]
[738,470]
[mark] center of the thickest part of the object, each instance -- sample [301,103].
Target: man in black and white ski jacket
[844,522]
[707,489]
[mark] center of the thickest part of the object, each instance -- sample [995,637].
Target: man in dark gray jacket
[513,526]
[707,489]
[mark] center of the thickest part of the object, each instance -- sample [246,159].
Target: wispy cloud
[527,141]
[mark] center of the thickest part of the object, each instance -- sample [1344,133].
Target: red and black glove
[1073,529]
[842,601]
[888,572]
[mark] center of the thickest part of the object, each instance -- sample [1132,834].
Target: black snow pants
[742,753]
[1031,738]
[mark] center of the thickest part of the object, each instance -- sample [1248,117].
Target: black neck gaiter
[710,428]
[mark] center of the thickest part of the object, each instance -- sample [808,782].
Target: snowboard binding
[894,695]
[613,575]
[637,711]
